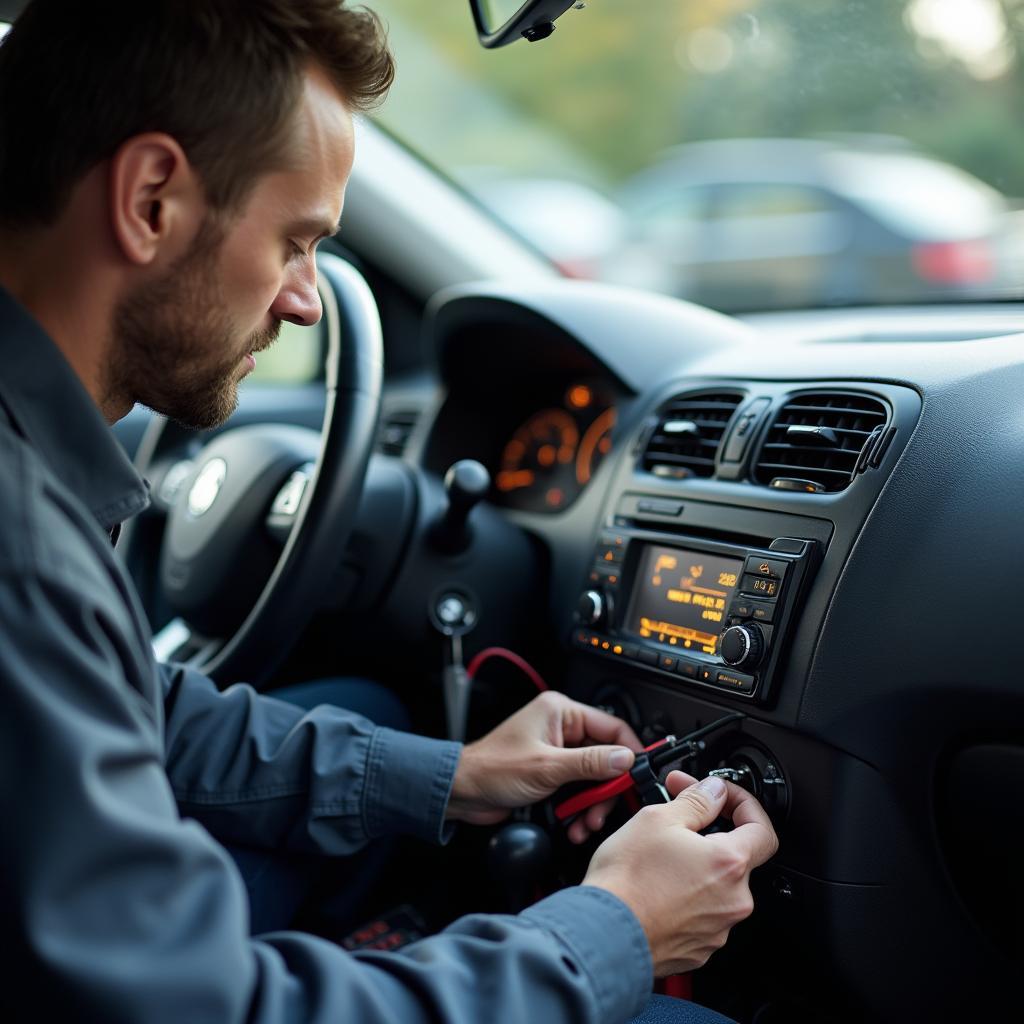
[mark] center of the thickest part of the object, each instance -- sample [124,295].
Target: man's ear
[156,202]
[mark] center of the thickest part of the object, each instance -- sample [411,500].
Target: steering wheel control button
[743,646]
[290,496]
[772,567]
[206,487]
[174,479]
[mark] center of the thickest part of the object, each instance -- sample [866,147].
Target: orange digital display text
[681,598]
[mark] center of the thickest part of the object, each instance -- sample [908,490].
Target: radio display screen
[681,597]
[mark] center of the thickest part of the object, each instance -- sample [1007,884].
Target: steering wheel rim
[330,501]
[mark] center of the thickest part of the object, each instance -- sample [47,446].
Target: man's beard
[175,347]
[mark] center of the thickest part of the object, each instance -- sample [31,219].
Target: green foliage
[624,79]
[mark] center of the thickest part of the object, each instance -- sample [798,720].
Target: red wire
[502,652]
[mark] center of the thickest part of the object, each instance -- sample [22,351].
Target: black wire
[662,756]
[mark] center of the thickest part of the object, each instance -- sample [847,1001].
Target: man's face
[183,342]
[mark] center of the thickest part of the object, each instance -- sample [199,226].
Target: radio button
[646,657]
[762,612]
[760,586]
[659,506]
[774,568]
[608,575]
[706,675]
[591,607]
[743,646]
[687,668]
[742,609]
[667,663]
[788,545]
[735,681]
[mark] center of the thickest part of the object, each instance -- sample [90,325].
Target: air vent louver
[689,430]
[395,430]
[818,438]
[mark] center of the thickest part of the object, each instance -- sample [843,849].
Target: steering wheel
[240,600]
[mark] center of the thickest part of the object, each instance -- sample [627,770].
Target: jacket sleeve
[115,909]
[260,772]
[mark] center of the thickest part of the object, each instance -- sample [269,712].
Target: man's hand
[687,890]
[535,751]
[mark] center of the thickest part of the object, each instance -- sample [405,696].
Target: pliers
[645,776]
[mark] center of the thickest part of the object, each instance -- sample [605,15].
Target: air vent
[689,430]
[395,430]
[818,439]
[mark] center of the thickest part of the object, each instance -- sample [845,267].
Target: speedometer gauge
[552,456]
[541,457]
[596,444]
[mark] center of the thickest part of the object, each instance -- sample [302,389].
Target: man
[166,171]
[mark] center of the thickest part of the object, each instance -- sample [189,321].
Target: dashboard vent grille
[395,430]
[688,432]
[817,441]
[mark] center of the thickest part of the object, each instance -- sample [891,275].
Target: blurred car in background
[573,224]
[750,224]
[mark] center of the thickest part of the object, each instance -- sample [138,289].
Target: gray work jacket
[118,776]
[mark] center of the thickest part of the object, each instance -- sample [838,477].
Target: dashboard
[810,521]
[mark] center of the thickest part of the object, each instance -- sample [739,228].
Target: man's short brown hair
[222,77]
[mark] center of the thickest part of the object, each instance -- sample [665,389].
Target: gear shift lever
[465,483]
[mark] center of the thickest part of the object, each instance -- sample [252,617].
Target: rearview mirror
[500,22]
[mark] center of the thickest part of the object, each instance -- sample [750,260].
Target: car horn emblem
[207,485]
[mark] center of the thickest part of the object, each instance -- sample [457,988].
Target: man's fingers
[698,806]
[580,723]
[677,781]
[572,763]
[752,830]
[757,842]
[596,816]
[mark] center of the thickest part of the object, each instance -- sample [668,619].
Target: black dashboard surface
[900,672]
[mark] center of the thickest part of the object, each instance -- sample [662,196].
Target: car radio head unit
[681,596]
[693,610]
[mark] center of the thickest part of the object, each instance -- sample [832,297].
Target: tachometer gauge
[539,462]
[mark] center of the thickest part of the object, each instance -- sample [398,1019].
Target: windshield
[745,154]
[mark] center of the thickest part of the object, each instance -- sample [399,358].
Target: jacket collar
[49,406]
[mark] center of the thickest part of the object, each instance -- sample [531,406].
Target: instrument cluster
[552,455]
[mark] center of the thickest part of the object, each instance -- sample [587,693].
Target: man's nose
[298,301]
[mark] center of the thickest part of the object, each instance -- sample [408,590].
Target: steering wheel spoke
[257,526]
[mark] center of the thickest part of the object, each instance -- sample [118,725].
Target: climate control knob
[591,608]
[743,646]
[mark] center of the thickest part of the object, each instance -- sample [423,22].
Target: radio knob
[591,608]
[743,646]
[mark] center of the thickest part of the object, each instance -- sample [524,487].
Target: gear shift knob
[517,856]
[465,483]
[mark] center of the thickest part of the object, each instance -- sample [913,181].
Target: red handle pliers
[643,776]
